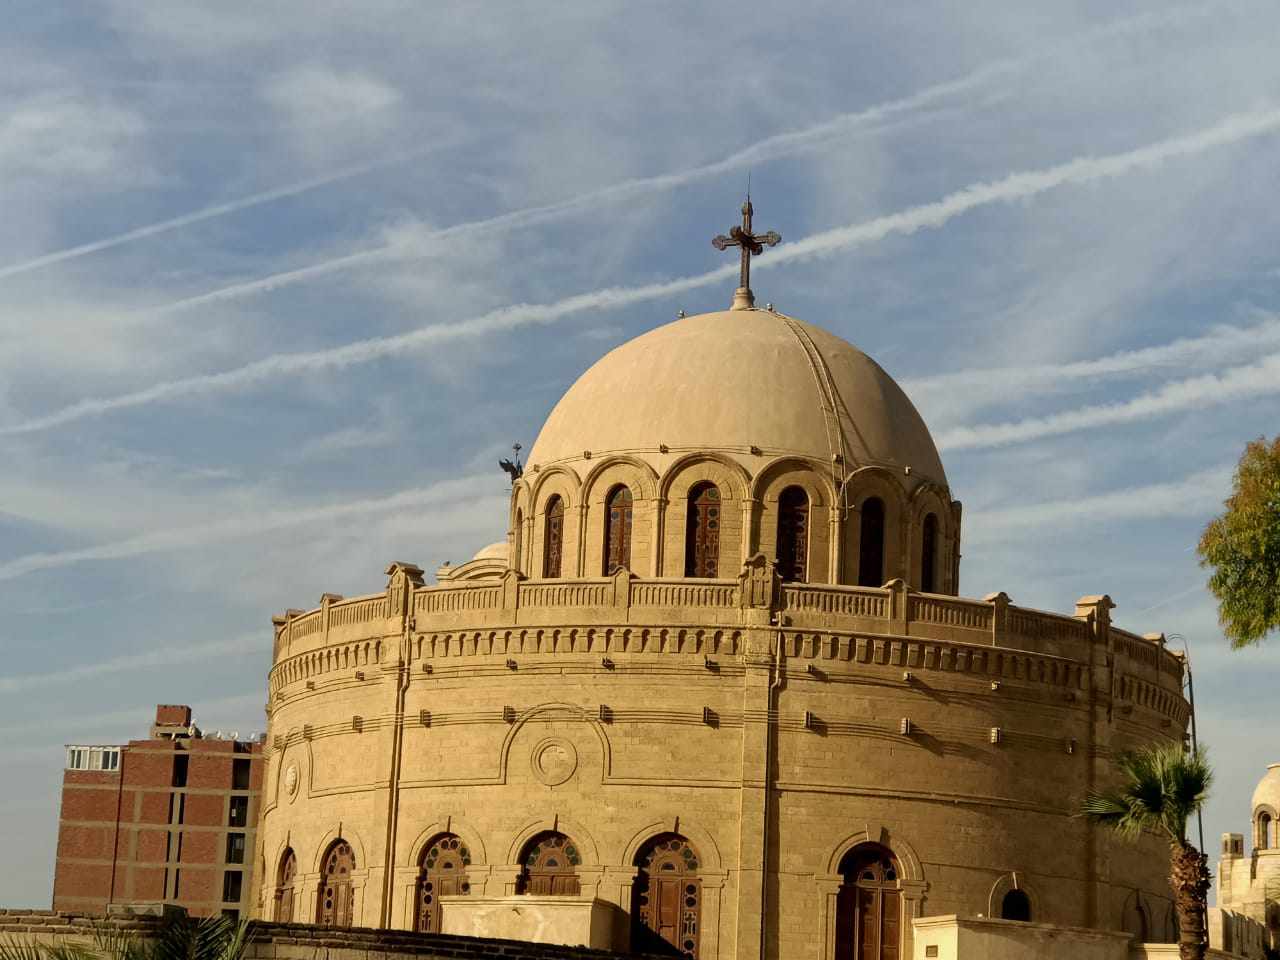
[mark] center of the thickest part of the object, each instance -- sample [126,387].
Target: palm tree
[179,938]
[1160,788]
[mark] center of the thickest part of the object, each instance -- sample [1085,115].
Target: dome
[1267,793]
[494,551]
[735,379]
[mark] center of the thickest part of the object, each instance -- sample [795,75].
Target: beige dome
[494,551]
[1267,793]
[735,379]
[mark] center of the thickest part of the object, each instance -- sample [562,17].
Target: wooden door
[443,873]
[550,867]
[333,907]
[667,897]
[284,887]
[869,908]
[553,547]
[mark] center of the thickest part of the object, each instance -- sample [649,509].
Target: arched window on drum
[517,543]
[553,539]
[285,877]
[666,900]
[1264,838]
[929,554]
[549,866]
[334,899]
[871,544]
[617,530]
[702,532]
[793,535]
[442,872]
[869,905]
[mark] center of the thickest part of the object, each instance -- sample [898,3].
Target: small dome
[736,379]
[1268,792]
[494,551]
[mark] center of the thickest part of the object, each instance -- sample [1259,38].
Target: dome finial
[751,244]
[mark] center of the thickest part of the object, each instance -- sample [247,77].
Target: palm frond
[12,948]
[70,951]
[116,944]
[1160,788]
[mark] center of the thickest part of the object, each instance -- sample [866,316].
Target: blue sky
[279,282]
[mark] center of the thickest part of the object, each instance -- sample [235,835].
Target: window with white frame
[93,758]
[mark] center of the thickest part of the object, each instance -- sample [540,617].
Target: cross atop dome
[751,244]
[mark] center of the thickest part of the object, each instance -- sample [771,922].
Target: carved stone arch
[911,883]
[858,487]
[343,831]
[573,829]
[725,472]
[1014,880]
[640,477]
[455,825]
[815,554]
[908,862]
[519,523]
[818,481]
[705,843]
[930,498]
[733,521]
[560,709]
[1271,827]
[1136,916]
[563,483]
[562,480]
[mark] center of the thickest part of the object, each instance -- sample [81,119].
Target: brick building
[170,818]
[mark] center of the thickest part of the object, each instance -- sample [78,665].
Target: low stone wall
[302,941]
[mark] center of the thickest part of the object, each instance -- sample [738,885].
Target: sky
[280,282]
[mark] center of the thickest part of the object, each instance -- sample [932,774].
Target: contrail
[934,215]
[770,148]
[238,527]
[1249,380]
[1222,343]
[208,213]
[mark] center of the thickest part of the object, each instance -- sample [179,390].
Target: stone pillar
[753,802]
[1096,613]
[999,616]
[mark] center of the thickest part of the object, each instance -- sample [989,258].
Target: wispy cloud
[161,656]
[1197,494]
[1015,186]
[1222,343]
[1248,380]
[256,524]
[759,153]
[209,213]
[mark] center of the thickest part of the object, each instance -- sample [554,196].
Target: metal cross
[752,244]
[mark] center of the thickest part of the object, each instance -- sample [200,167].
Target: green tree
[178,938]
[1243,548]
[1160,788]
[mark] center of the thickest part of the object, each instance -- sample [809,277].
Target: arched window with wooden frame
[666,899]
[869,905]
[549,866]
[702,532]
[929,554]
[793,535]
[553,539]
[442,872]
[871,544]
[1263,840]
[285,876]
[1016,905]
[334,898]
[617,530]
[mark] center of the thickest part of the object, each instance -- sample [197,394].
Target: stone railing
[349,634]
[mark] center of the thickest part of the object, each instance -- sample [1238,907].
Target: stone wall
[300,941]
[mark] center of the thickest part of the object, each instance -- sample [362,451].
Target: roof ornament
[514,469]
[751,244]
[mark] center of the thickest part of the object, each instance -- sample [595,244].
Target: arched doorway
[1136,920]
[702,532]
[929,555]
[333,901]
[285,876]
[793,535]
[1016,905]
[617,531]
[442,872]
[871,544]
[869,905]
[549,866]
[666,900]
[553,539]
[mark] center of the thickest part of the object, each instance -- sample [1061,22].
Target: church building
[717,691]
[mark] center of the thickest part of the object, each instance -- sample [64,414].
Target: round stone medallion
[554,761]
[291,780]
